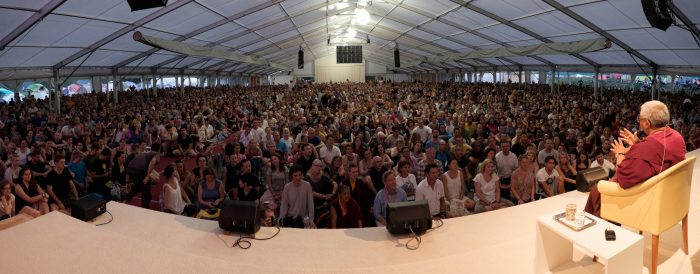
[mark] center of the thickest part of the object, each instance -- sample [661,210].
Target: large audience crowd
[326,155]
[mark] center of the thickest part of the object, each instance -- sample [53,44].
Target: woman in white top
[488,189]
[174,196]
[406,180]
[453,181]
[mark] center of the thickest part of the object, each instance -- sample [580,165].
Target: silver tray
[561,218]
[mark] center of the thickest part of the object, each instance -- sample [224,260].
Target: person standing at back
[139,170]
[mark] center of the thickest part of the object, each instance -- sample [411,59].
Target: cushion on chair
[653,206]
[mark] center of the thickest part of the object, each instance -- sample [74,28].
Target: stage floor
[139,240]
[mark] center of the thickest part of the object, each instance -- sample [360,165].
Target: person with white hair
[641,159]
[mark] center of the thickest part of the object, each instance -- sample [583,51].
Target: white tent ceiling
[42,35]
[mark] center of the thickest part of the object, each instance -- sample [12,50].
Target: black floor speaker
[88,207]
[241,216]
[587,178]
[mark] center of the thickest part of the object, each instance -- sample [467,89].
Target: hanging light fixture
[351,33]
[362,16]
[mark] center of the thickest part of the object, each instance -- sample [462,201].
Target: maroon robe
[649,157]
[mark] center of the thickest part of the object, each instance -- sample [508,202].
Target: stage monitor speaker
[658,13]
[146,4]
[300,60]
[407,217]
[587,178]
[88,207]
[397,60]
[241,216]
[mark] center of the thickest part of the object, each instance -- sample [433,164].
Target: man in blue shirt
[389,194]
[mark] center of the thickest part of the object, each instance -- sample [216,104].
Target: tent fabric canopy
[44,35]
[193,50]
[540,49]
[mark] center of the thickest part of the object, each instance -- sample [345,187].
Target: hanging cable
[132,69]
[638,65]
[174,66]
[75,69]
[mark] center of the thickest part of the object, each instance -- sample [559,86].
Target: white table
[555,241]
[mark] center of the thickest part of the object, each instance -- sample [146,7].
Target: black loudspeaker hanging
[397,60]
[146,4]
[658,13]
[300,60]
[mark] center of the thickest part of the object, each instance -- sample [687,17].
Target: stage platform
[146,241]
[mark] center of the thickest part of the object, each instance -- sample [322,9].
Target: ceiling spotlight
[362,16]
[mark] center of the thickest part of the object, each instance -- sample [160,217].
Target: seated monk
[642,159]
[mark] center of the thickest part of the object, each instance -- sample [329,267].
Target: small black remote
[609,235]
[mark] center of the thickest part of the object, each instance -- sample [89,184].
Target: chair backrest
[674,193]
[664,204]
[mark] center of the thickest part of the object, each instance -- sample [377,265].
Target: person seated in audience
[522,181]
[567,169]
[389,194]
[547,151]
[329,150]
[380,151]
[61,187]
[306,157]
[30,194]
[210,192]
[79,170]
[12,172]
[432,190]
[376,171]
[232,172]
[442,154]
[247,177]
[322,186]
[7,203]
[366,162]
[275,180]
[39,168]
[175,199]
[548,179]
[297,200]
[429,159]
[337,170]
[405,180]
[119,178]
[505,162]
[600,161]
[453,180]
[362,190]
[488,189]
[248,192]
[99,172]
[344,211]
[184,145]
[582,161]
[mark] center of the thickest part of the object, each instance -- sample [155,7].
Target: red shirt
[649,157]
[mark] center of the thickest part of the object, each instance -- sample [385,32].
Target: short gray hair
[656,112]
